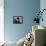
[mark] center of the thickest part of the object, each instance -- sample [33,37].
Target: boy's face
[17,19]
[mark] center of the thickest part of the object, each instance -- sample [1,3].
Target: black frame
[14,19]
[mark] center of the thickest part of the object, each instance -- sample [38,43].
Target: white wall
[1,20]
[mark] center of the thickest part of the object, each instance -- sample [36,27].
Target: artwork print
[17,19]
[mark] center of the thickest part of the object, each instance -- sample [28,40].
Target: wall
[43,6]
[25,8]
[1,20]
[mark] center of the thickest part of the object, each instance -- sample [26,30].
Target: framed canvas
[17,19]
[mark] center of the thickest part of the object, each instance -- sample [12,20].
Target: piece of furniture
[39,33]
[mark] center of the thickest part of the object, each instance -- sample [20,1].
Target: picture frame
[17,19]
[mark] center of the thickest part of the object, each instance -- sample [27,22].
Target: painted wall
[25,8]
[1,20]
[43,6]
